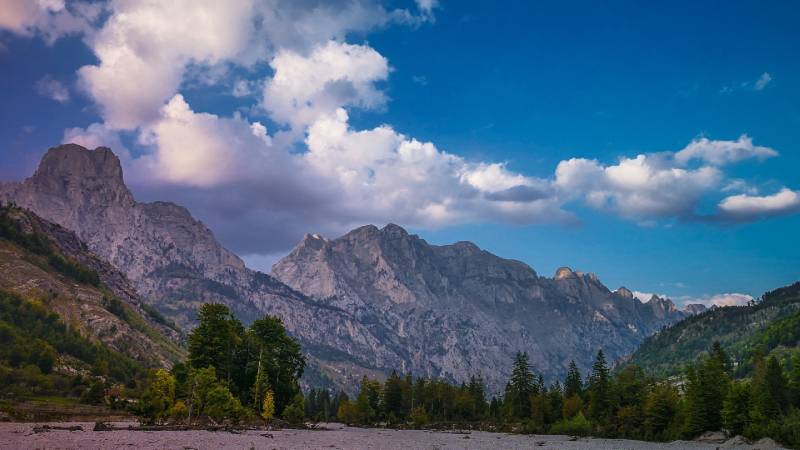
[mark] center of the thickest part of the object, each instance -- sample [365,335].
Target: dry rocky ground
[22,436]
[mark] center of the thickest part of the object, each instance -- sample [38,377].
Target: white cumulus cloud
[747,206]
[719,153]
[334,75]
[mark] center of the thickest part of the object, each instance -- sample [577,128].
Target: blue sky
[460,120]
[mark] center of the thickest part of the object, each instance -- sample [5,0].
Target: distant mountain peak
[622,291]
[73,160]
[562,273]
[394,230]
[73,171]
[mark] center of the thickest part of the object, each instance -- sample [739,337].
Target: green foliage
[116,307]
[158,400]
[661,413]
[346,413]
[576,426]
[419,417]
[707,386]
[73,270]
[736,408]
[38,244]
[520,388]
[294,413]
[33,336]
[742,331]
[769,399]
[598,390]
[573,384]
[231,373]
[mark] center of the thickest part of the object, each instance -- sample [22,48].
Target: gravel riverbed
[22,436]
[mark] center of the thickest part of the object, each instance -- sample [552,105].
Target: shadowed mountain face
[457,310]
[369,302]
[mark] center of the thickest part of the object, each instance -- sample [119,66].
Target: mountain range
[366,303]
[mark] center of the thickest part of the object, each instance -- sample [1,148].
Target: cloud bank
[294,163]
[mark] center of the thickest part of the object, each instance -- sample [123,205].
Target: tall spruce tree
[573,384]
[393,398]
[520,388]
[598,390]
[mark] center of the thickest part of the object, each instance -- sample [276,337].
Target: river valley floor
[335,436]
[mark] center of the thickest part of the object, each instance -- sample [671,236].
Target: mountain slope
[767,325]
[455,310]
[43,263]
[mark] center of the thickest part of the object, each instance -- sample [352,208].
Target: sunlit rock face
[366,303]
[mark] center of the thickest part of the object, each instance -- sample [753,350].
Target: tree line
[626,404]
[239,374]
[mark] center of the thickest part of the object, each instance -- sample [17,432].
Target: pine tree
[393,398]
[794,382]
[573,385]
[599,390]
[769,391]
[478,395]
[736,408]
[707,387]
[520,388]
[660,410]
[215,340]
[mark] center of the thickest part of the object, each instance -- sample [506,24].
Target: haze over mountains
[366,303]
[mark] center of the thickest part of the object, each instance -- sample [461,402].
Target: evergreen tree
[215,340]
[599,391]
[794,382]
[478,395]
[393,398]
[573,385]
[275,357]
[707,387]
[736,408]
[769,392]
[660,411]
[520,388]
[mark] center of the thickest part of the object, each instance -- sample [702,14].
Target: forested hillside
[770,325]
[70,324]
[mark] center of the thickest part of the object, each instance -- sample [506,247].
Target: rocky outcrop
[455,310]
[695,308]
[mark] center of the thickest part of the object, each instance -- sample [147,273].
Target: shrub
[577,426]
[419,417]
[294,413]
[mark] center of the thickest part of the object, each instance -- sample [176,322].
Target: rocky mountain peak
[70,170]
[75,160]
[695,308]
[624,292]
[394,231]
[563,273]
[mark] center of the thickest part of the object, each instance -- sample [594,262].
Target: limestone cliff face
[455,310]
